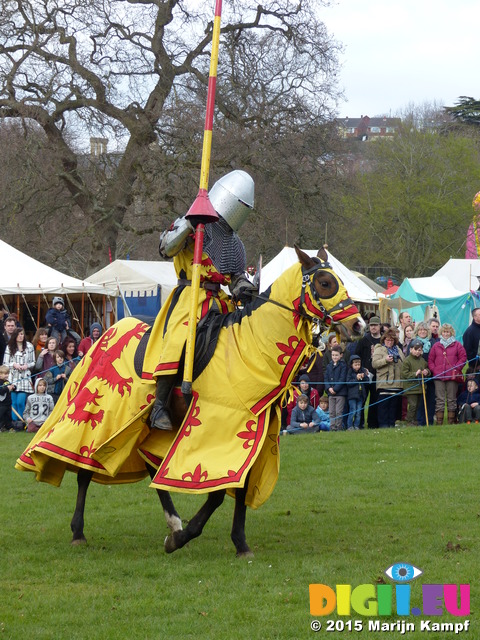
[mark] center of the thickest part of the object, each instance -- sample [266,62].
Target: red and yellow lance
[202,212]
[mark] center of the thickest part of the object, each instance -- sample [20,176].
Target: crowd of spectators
[34,374]
[410,374]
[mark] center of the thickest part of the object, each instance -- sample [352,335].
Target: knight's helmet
[232,197]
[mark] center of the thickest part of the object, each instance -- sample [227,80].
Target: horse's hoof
[169,544]
[245,554]
[77,541]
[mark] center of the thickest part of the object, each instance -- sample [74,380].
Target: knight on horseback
[223,263]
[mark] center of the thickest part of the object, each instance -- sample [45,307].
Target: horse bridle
[302,311]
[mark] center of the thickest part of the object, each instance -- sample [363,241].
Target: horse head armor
[324,298]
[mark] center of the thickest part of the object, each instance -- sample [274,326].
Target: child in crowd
[357,379]
[322,417]
[334,380]
[469,403]
[302,417]
[413,367]
[57,377]
[5,399]
[305,388]
[39,406]
[58,320]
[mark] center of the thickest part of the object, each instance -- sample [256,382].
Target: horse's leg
[83,481]
[177,539]
[238,526]
[171,516]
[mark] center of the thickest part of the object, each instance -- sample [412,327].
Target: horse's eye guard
[324,285]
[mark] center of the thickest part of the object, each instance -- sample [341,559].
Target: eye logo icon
[403,572]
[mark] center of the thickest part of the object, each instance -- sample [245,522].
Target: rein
[300,312]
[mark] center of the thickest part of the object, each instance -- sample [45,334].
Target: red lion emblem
[102,368]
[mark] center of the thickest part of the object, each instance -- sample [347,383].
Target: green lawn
[347,506]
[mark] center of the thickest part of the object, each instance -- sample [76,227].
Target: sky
[398,52]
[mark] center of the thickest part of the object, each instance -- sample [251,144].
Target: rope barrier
[393,395]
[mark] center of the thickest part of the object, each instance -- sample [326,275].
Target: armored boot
[160,416]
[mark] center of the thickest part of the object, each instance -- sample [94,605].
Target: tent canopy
[357,289]
[463,274]
[454,306]
[25,275]
[139,279]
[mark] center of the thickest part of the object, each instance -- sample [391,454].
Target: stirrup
[160,418]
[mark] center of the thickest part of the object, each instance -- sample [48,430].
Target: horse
[227,435]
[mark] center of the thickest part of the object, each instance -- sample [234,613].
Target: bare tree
[133,71]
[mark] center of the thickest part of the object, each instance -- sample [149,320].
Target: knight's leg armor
[160,416]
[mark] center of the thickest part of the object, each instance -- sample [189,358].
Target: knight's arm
[241,288]
[174,239]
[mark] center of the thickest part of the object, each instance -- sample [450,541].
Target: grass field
[347,506]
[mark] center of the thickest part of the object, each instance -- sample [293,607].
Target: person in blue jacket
[334,380]
[303,417]
[357,380]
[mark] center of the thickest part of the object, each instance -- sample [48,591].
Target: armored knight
[223,263]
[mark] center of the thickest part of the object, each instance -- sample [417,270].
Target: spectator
[471,339]
[5,399]
[446,360]
[335,379]
[332,341]
[365,347]
[69,348]
[384,326]
[422,332]
[313,366]
[404,319]
[87,342]
[46,359]
[434,326]
[20,358]
[58,319]
[40,340]
[9,327]
[302,417]
[39,406]
[57,376]
[322,417]
[305,388]
[469,403]
[387,361]
[357,383]
[409,334]
[414,370]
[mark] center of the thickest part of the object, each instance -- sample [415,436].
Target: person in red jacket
[446,360]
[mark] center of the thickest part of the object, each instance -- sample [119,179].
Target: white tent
[145,284]
[435,287]
[463,274]
[24,275]
[357,289]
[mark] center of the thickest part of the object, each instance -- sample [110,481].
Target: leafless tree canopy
[135,72]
